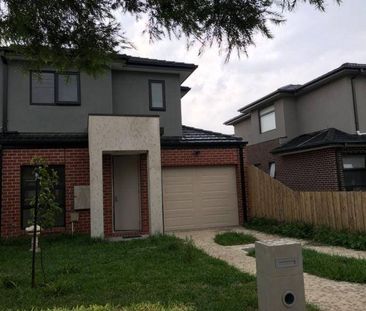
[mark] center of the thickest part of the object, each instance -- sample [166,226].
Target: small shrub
[234,238]
[320,234]
[251,252]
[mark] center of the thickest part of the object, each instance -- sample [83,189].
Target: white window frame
[268,111]
[272,169]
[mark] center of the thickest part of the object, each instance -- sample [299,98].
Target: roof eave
[317,147]
[265,100]
[171,144]
[237,119]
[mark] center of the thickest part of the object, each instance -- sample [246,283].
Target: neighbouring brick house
[311,137]
[127,165]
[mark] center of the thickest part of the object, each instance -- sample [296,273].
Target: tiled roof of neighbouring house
[191,136]
[324,138]
[195,136]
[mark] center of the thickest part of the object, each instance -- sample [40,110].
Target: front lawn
[162,273]
[332,267]
[234,238]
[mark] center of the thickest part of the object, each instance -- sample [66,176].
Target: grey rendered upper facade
[124,88]
[336,99]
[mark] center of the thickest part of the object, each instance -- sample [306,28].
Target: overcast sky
[309,44]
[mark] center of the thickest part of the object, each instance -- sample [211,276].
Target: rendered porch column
[121,135]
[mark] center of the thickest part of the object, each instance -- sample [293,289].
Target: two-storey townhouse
[311,137]
[127,165]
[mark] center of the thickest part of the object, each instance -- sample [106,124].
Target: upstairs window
[354,171]
[51,88]
[267,118]
[157,94]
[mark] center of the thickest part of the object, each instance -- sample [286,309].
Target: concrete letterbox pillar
[280,279]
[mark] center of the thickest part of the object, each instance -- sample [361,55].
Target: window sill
[157,109]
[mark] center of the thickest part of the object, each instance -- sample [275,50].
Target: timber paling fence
[269,198]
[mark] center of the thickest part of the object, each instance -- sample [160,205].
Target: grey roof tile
[195,136]
[190,136]
[323,138]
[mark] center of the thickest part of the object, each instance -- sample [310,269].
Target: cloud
[309,44]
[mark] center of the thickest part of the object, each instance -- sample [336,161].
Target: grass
[337,268]
[162,273]
[323,235]
[234,238]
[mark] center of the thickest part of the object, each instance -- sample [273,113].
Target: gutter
[1,190]
[243,190]
[5,94]
[354,103]
[4,126]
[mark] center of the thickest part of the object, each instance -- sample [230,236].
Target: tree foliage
[48,207]
[85,34]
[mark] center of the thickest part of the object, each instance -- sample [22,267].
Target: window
[28,188]
[354,171]
[157,95]
[267,118]
[272,169]
[51,88]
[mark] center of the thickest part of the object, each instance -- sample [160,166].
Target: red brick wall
[107,195]
[309,171]
[205,157]
[76,162]
[261,154]
[144,195]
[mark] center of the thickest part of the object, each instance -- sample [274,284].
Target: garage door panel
[199,197]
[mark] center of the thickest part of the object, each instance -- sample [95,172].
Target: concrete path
[331,250]
[326,294]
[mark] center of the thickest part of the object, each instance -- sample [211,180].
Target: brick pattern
[144,195]
[260,154]
[307,171]
[107,195]
[207,157]
[76,162]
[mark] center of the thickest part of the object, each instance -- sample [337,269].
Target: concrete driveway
[326,294]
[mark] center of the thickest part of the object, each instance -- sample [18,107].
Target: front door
[126,171]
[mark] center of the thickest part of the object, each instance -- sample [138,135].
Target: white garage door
[199,197]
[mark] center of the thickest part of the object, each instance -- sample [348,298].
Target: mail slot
[288,262]
[280,279]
